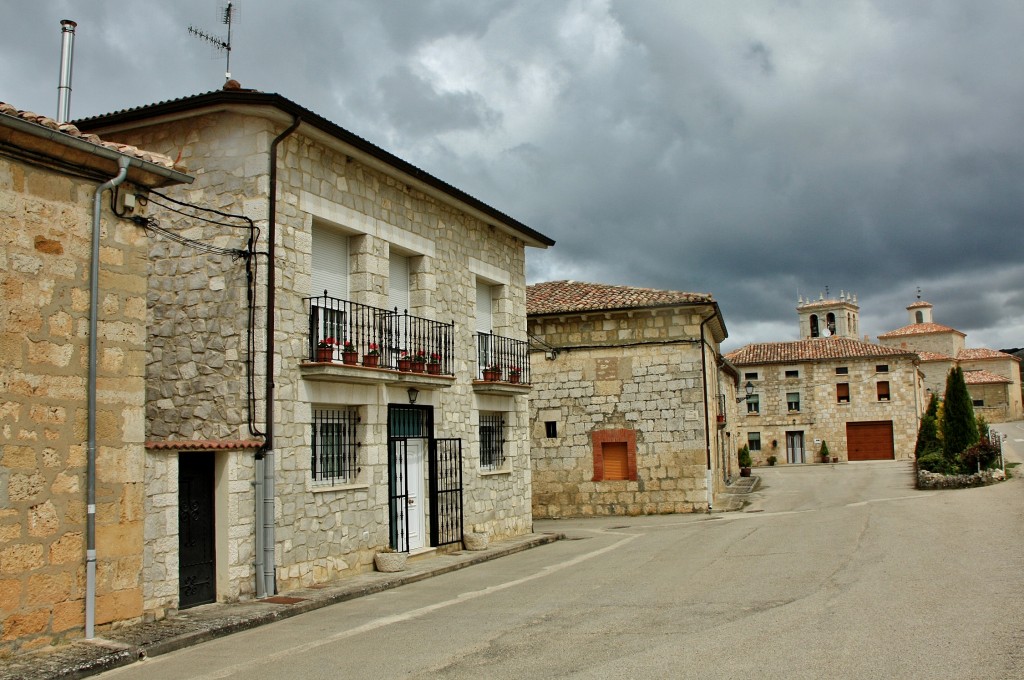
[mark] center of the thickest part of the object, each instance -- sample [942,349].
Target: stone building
[325,238]
[51,181]
[992,377]
[631,400]
[862,399]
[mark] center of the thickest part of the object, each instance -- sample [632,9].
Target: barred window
[335,450]
[492,441]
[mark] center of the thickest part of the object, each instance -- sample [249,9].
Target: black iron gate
[445,491]
[197,566]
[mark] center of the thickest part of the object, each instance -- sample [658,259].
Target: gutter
[266,569]
[709,476]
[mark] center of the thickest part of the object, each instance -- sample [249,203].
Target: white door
[415,500]
[795,447]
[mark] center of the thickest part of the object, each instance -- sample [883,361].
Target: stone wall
[650,385]
[820,416]
[197,357]
[45,236]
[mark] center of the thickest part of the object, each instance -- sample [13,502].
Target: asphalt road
[831,571]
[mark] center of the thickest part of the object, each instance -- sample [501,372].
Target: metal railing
[720,416]
[370,329]
[502,359]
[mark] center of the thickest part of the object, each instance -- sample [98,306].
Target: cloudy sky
[758,150]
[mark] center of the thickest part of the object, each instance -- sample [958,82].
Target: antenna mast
[228,14]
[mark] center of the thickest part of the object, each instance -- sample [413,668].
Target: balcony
[352,342]
[503,365]
[720,417]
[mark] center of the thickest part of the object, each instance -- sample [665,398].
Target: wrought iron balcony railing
[371,331]
[502,359]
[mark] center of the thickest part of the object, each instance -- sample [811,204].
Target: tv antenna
[227,14]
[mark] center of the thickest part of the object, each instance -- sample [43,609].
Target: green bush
[744,456]
[982,455]
[935,461]
[823,452]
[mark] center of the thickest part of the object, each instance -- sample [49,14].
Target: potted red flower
[419,361]
[404,361]
[325,349]
[372,356]
[348,353]
[434,365]
[514,372]
[492,373]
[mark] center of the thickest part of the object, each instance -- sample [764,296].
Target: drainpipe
[708,477]
[90,484]
[265,510]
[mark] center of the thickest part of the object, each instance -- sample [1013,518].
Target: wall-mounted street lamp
[413,393]
[749,389]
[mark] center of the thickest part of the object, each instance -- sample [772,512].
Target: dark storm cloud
[754,150]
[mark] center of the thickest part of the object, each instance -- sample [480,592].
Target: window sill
[321,488]
[495,473]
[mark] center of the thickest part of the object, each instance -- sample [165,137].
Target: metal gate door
[197,567]
[404,423]
[445,491]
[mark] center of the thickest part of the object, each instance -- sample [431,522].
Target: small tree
[744,456]
[823,452]
[928,432]
[958,425]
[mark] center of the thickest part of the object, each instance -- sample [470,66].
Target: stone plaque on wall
[607,369]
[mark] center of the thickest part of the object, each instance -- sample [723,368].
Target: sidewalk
[81,658]
[733,498]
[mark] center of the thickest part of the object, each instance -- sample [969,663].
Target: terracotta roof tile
[203,444]
[557,297]
[812,350]
[984,378]
[920,303]
[73,131]
[920,329]
[934,356]
[969,354]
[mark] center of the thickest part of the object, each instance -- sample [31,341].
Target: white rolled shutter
[398,283]
[330,263]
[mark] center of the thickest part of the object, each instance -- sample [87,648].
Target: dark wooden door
[870,441]
[197,565]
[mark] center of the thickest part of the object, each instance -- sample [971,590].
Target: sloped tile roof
[968,354]
[984,378]
[920,329]
[559,297]
[823,304]
[934,356]
[72,131]
[815,349]
[920,303]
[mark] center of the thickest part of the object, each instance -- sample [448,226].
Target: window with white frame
[335,446]
[753,404]
[793,401]
[492,440]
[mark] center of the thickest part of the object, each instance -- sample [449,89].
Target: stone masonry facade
[45,236]
[197,355]
[638,372]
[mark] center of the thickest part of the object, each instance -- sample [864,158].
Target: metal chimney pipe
[67,49]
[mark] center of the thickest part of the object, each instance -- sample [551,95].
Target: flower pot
[434,369]
[418,367]
[390,561]
[513,378]
[744,472]
[405,364]
[371,360]
[491,376]
[324,354]
[474,540]
[350,358]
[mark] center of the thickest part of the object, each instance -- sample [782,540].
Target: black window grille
[335,450]
[492,441]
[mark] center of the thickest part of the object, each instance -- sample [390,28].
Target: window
[793,401]
[550,429]
[882,368]
[831,323]
[754,441]
[614,455]
[883,390]
[750,376]
[792,373]
[492,441]
[814,325]
[753,404]
[335,448]
[842,370]
[843,393]
[919,316]
[978,402]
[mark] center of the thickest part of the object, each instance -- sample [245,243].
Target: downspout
[708,477]
[90,484]
[265,510]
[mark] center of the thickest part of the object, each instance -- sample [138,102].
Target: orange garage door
[870,441]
